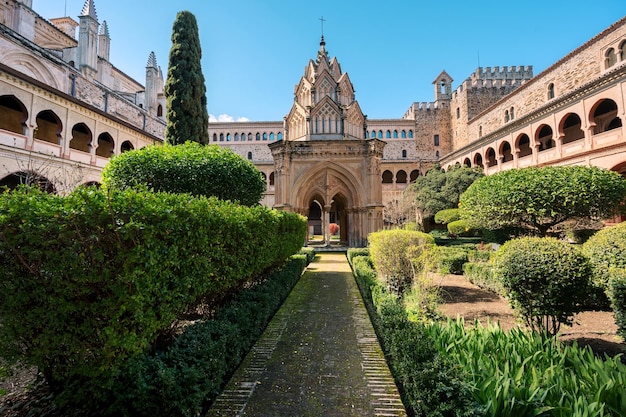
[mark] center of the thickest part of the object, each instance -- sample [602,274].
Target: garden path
[319,356]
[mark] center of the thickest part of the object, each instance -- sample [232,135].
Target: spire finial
[152,63]
[322,42]
[89,9]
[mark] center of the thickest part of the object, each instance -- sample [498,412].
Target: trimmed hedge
[92,279]
[617,294]
[184,379]
[354,252]
[546,280]
[461,228]
[189,168]
[429,383]
[481,274]
[448,259]
[447,216]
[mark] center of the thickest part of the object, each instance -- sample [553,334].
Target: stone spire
[152,62]
[104,41]
[88,40]
[89,9]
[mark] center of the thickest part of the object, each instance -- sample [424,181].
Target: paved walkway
[319,356]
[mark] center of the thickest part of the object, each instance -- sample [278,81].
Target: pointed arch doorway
[323,217]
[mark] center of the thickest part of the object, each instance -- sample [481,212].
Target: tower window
[436,140]
[458,112]
[404,153]
[551,91]
[250,156]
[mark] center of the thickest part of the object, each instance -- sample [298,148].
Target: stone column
[325,224]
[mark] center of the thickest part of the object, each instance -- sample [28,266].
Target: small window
[221,137]
[258,136]
[250,156]
[388,135]
[236,137]
[214,137]
[480,131]
[622,51]
[458,112]
[436,140]
[228,137]
[403,134]
[160,111]
[380,134]
[410,134]
[436,154]
[395,134]
[609,58]
[551,91]
[512,113]
[272,137]
[506,116]
[280,136]
[264,136]
[404,153]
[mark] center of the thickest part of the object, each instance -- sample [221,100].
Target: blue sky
[255,51]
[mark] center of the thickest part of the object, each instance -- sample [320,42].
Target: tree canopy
[539,198]
[185,91]
[439,190]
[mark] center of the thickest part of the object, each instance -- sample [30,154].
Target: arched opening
[13,115]
[264,177]
[467,162]
[339,216]
[49,127]
[272,179]
[544,138]
[604,116]
[403,153]
[81,138]
[414,175]
[401,177]
[571,128]
[387,177]
[610,58]
[523,146]
[250,156]
[106,146]
[126,146]
[550,91]
[12,181]
[159,111]
[490,157]
[478,160]
[505,152]
[315,220]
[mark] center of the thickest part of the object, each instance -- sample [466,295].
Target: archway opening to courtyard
[523,146]
[14,180]
[13,115]
[338,215]
[81,138]
[571,128]
[49,127]
[604,116]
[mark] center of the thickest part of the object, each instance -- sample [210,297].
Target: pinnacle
[104,29]
[152,63]
[89,9]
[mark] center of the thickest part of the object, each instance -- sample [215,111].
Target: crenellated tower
[324,103]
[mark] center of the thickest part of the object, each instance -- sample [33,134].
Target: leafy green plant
[481,274]
[521,373]
[541,198]
[606,249]
[447,216]
[93,279]
[396,255]
[617,294]
[546,280]
[187,168]
[447,259]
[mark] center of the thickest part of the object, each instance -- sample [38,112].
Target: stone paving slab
[319,356]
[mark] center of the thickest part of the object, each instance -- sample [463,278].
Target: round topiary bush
[447,216]
[606,249]
[545,279]
[189,168]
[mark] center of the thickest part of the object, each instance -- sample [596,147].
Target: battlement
[419,107]
[502,73]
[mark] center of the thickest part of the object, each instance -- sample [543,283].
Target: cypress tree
[187,116]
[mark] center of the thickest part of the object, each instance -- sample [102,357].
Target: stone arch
[401,177]
[522,146]
[505,152]
[544,136]
[478,160]
[81,138]
[32,178]
[490,157]
[32,67]
[49,127]
[570,128]
[387,177]
[414,175]
[603,116]
[13,114]
[467,162]
[106,145]
[126,146]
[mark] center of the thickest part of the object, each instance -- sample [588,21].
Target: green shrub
[446,259]
[481,274]
[546,280]
[353,252]
[309,253]
[93,279]
[617,294]
[461,228]
[447,216]
[606,249]
[430,385]
[189,168]
[189,374]
[394,252]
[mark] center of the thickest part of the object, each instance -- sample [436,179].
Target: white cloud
[226,118]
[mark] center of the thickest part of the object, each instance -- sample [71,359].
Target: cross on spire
[322,20]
